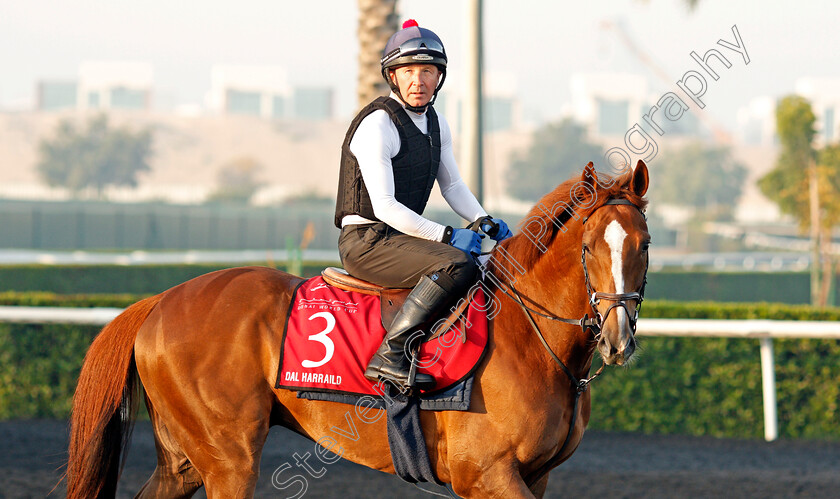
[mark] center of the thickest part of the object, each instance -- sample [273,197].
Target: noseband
[586,323]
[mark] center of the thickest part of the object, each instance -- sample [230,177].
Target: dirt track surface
[607,465]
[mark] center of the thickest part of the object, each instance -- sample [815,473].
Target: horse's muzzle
[617,355]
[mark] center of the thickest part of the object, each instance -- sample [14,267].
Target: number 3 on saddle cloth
[332,332]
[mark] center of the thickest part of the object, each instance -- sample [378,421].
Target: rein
[586,324]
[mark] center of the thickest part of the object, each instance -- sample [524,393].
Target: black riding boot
[391,361]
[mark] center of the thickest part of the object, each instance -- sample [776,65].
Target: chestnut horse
[207,354]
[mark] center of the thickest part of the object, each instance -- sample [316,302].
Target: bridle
[620,299]
[587,324]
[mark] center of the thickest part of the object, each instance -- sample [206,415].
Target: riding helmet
[413,45]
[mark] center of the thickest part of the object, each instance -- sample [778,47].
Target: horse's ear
[639,183]
[588,176]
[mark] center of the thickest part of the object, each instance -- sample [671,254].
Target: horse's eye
[645,245]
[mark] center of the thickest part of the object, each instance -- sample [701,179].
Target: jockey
[394,150]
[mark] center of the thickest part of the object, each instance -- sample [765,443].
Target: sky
[536,44]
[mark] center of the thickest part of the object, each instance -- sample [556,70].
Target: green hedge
[712,386]
[40,363]
[145,279]
[45,299]
[39,366]
[780,287]
[669,309]
[703,386]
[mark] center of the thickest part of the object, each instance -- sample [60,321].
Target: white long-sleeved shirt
[374,144]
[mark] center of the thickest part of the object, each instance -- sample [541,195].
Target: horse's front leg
[500,480]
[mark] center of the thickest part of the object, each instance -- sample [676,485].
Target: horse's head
[615,256]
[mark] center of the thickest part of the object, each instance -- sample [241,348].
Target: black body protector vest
[415,165]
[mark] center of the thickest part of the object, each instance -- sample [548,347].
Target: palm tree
[378,20]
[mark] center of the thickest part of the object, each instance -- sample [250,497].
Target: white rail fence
[59,315]
[763,330]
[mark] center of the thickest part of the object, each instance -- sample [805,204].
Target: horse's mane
[527,253]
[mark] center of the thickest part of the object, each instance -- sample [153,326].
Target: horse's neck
[554,285]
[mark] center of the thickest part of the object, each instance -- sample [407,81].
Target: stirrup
[408,386]
[405,383]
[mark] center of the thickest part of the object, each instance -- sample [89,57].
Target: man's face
[417,82]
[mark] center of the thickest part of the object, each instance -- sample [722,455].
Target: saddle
[390,299]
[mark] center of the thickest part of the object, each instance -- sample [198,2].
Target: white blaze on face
[614,236]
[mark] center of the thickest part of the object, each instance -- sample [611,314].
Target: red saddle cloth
[331,334]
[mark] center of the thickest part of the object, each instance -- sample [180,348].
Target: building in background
[56,95]
[115,85]
[265,92]
[824,94]
[313,103]
[757,122]
[608,104]
[502,109]
[262,91]
[99,86]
